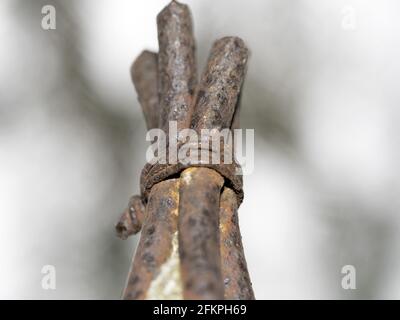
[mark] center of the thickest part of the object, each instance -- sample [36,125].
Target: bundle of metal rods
[190,245]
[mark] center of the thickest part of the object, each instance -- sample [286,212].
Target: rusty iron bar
[177,77]
[211,258]
[155,243]
[233,262]
[198,226]
[201,187]
[144,76]
[132,219]
[220,85]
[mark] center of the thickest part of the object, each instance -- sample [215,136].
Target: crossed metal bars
[190,245]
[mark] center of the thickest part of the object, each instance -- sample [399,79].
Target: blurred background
[321,93]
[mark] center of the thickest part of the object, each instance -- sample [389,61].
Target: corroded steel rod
[176,65]
[132,219]
[200,187]
[144,76]
[190,237]
[220,85]
[237,284]
[155,244]
[199,233]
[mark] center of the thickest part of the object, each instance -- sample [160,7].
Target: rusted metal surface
[200,187]
[216,99]
[237,284]
[154,173]
[176,64]
[144,76]
[199,235]
[155,243]
[132,219]
[220,84]
[188,208]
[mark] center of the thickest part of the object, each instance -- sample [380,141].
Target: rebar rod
[155,244]
[190,246]
[233,262]
[199,234]
[144,76]
[177,77]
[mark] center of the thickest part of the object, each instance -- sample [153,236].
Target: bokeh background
[321,93]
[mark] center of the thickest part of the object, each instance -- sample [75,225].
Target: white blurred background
[320,93]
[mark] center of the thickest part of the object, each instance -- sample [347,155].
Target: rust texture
[183,201]
[144,77]
[155,243]
[198,233]
[132,219]
[220,84]
[216,99]
[176,64]
[237,284]
[214,108]
[154,173]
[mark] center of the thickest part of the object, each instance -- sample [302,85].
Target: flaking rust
[155,244]
[199,235]
[237,284]
[177,77]
[190,246]
[200,187]
[213,108]
[220,84]
[132,219]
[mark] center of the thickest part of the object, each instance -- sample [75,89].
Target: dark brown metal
[199,235]
[220,84]
[153,174]
[155,243]
[144,77]
[176,65]
[216,100]
[237,284]
[132,219]
[200,187]
[166,86]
